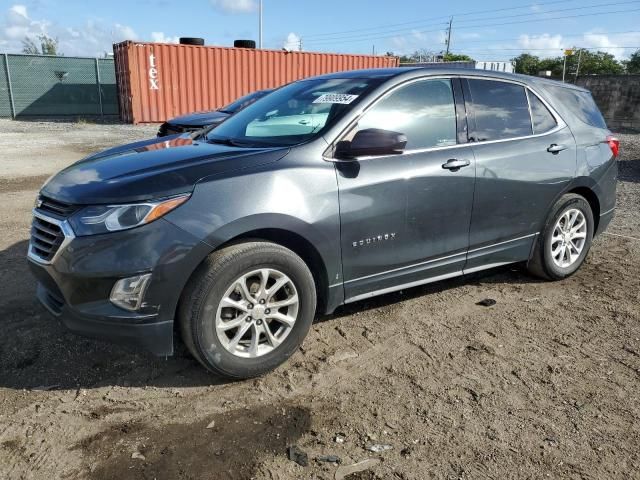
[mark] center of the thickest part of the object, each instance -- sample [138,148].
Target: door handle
[555,148]
[303,122]
[454,164]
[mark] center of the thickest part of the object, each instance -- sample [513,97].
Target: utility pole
[578,68]
[449,36]
[260,25]
[564,67]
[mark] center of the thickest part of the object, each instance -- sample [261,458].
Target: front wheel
[565,241]
[247,309]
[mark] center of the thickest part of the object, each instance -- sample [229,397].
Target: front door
[405,218]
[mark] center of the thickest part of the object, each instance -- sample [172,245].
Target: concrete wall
[618,97]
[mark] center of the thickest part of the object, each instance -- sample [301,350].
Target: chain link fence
[51,86]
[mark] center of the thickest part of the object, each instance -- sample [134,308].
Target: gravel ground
[543,384]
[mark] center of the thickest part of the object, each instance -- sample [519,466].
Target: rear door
[405,218]
[525,157]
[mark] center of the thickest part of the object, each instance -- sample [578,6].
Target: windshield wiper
[227,141]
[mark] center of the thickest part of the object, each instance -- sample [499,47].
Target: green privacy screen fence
[43,85]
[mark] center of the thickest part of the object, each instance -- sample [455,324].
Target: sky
[488,30]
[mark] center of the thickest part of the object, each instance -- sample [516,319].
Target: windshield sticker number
[342,98]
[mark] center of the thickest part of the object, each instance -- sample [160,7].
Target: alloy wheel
[568,238]
[257,313]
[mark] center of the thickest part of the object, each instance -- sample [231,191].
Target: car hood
[199,119]
[151,169]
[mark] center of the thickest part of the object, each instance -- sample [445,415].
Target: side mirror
[372,141]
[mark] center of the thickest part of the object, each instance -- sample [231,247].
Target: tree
[633,64]
[591,63]
[48,45]
[456,57]
[527,64]
[403,58]
[30,47]
[423,55]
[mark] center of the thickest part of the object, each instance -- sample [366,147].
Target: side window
[501,110]
[424,111]
[541,117]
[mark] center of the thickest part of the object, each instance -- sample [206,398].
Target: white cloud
[235,6]
[418,41]
[160,37]
[547,45]
[18,14]
[544,41]
[292,43]
[94,38]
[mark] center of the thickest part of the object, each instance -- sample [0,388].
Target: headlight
[111,218]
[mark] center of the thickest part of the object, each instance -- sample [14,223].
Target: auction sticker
[342,98]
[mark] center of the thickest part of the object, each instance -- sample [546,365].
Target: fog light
[128,293]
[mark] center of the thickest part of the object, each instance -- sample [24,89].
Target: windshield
[293,114]
[244,102]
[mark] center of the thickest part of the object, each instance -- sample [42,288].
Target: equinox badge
[377,239]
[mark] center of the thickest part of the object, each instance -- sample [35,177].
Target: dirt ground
[546,383]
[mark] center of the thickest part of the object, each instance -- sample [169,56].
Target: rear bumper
[605,220]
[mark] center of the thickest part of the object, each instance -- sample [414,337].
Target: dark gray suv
[327,191]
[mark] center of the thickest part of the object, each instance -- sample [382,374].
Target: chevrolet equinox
[329,190]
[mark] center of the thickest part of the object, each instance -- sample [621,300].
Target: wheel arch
[322,255]
[589,189]
[298,245]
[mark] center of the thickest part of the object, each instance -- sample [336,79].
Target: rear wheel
[565,241]
[247,309]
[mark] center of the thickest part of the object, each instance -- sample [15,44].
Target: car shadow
[629,170]
[38,353]
[513,273]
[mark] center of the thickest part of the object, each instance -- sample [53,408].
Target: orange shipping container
[158,81]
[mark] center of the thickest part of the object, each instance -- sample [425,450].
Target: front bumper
[75,286]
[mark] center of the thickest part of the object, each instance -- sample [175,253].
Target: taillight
[614,144]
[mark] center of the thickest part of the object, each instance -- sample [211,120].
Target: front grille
[56,207]
[46,238]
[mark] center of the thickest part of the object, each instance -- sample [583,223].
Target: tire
[244,43]
[542,263]
[201,309]
[191,41]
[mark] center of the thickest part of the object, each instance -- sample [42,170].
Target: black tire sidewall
[564,204]
[209,346]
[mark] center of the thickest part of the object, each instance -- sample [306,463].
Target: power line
[369,38]
[582,7]
[314,35]
[444,24]
[541,49]
[567,35]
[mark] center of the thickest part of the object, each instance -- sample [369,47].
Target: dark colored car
[328,191]
[199,120]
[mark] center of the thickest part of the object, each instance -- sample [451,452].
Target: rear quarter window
[541,117]
[581,104]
